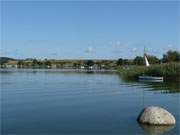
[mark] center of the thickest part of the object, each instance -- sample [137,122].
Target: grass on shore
[170,71]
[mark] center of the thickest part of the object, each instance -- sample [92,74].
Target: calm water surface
[46,102]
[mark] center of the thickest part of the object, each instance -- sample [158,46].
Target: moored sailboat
[150,78]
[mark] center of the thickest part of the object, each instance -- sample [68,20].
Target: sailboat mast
[144,52]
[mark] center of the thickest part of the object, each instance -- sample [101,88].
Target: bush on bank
[170,71]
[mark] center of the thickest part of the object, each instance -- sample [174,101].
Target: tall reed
[170,71]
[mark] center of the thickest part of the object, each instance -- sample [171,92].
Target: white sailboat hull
[151,78]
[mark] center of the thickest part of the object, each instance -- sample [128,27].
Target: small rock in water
[154,115]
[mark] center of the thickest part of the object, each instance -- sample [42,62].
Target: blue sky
[85,30]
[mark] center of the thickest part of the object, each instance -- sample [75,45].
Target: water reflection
[71,102]
[165,87]
[156,130]
[158,87]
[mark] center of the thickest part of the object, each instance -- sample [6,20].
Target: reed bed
[170,71]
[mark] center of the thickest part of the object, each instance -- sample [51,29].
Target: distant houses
[10,64]
[96,64]
[59,64]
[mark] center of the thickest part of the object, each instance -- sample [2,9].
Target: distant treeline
[53,63]
[170,56]
[167,67]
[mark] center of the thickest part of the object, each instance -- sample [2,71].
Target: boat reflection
[157,87]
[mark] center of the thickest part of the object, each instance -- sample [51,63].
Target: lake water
[53,102]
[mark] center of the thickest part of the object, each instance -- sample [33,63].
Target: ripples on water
[47,102]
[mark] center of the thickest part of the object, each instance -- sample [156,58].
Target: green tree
[171,56]
[47,64]
[138,60]
[153,59]
[20,64]
[120,62]
[127,62]
[89,63]
[34,63]
[4,60]
[76,65]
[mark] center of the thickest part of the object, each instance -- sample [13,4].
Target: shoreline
[56,70]
[170,72]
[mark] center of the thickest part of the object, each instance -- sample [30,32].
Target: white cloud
[89,50]
[134,49]
[170,46]
[118,43]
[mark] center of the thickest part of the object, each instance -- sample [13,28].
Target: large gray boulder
[154,115]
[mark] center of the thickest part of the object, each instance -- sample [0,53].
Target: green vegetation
[57,64]
[138,60]
[168,66]
[4,60]
[89,63]
[170,71]
[171,56]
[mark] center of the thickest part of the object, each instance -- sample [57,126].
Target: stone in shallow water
[154,115]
